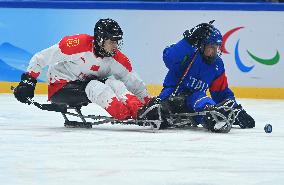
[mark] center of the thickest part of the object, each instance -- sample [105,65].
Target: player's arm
[176,58]
[122,70]
[222,94]
[178,55]
[63,51]
[43,58]
[169,85]
[25,90]
[219,89]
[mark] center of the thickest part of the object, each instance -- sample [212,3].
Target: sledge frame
[176,120]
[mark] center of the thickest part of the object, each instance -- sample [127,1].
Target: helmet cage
[210,59]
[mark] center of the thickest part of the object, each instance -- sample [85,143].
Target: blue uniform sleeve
[176,55]
[219,89]
[170,83]
[166,92]
[175,58]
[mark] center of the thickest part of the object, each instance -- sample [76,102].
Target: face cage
[100,50]
[219,51]
[119,46]
[210,59]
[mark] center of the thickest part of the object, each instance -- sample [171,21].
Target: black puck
[268,128]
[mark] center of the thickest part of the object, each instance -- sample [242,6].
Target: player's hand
[243,119]
[152,114]
[198,34]
[25,90]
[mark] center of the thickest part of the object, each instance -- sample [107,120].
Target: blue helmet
[215,38]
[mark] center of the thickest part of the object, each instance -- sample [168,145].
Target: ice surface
[35,149]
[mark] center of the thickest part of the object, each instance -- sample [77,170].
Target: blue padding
[144,5]
[198,100]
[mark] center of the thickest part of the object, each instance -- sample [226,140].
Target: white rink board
[148,32]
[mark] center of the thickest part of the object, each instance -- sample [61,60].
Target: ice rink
[35,149]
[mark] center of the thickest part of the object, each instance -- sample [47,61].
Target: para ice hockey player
[88,68]
[194,66]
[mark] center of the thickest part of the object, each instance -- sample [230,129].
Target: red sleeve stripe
[76,44]
[220,83]
[123,60]
[33,74]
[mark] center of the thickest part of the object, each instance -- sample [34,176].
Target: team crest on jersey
[72,42]
[70,45]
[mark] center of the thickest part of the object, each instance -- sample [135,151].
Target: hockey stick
[49,107]
[184,75]
[187,69]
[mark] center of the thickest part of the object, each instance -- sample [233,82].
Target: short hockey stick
[49,107]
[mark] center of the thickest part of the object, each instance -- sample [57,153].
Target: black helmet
[106,29]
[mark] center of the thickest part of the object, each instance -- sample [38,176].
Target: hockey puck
[268,128]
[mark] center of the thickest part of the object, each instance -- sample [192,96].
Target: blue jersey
[200,77]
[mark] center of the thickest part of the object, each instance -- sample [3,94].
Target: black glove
[152,114]
[25,89]
[243,119]
[196,35]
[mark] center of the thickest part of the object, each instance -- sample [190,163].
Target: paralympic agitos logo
[271,61]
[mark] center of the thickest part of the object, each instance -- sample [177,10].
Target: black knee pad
[72,94]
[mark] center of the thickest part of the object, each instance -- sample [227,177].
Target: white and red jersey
[73,59]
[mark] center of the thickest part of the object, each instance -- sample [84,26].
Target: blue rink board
[144,5]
